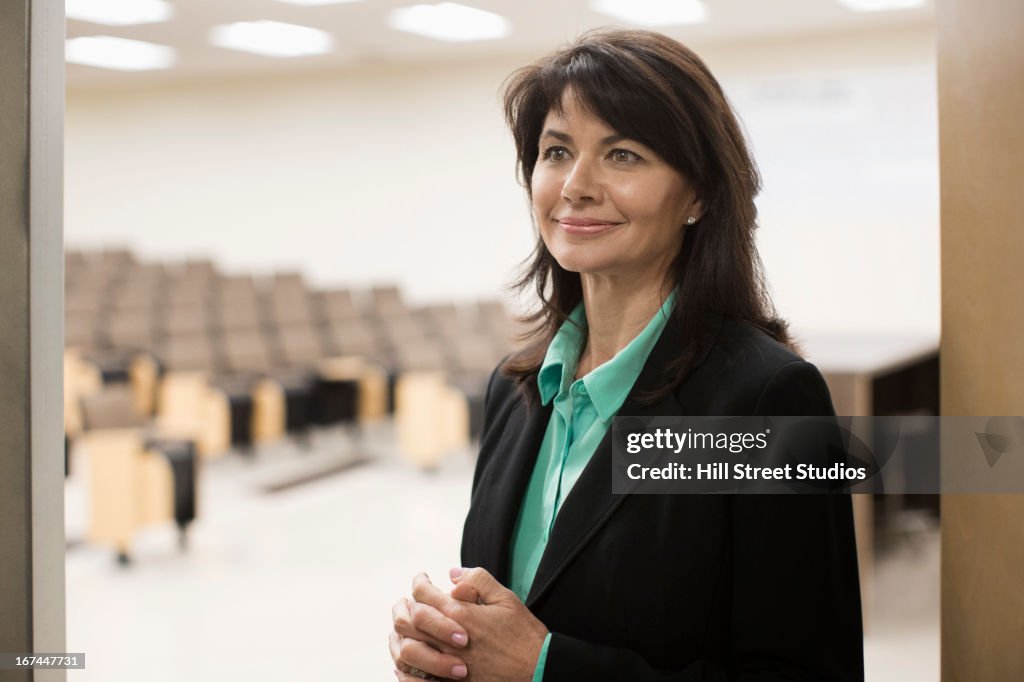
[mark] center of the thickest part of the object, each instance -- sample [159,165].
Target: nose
[582,183]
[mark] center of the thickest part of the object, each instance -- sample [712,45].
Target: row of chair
[230,322]
[166,364]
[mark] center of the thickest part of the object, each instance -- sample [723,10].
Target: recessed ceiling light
[318,2]
[449,21]
[122,54]
[118,12]
[880,5]
[653,12]
[272,38]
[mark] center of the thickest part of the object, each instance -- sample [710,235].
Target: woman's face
[605,204]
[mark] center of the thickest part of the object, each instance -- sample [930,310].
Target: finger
[462,591]
[394,641]
[426,619]
[407,627]
[426,592]
[400,616]
[485,584]
[465,592]
[401,669]
[415,654]
[405,677]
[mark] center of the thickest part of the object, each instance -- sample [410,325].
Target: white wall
[406,174]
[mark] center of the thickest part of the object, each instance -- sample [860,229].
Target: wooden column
[981,127]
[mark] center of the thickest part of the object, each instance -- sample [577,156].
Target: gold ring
[416,672]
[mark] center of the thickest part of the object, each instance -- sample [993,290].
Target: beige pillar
[981,127]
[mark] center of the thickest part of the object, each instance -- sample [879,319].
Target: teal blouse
[583,411]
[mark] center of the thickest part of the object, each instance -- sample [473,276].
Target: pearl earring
[691,220]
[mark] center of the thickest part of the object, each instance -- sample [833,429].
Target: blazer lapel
[591,503]
[500,491]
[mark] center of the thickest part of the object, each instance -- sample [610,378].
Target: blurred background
[289,229]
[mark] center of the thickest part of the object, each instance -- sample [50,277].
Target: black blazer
[680,587]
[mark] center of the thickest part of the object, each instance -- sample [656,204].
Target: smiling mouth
[586,227]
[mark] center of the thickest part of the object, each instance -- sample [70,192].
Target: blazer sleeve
[795,597]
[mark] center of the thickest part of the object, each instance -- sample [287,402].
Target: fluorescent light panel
[653,12]
[449,21]
[318,2]
[272,38]
[119,12]
[880,5]
[121,54]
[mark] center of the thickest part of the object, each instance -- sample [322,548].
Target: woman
[653,303]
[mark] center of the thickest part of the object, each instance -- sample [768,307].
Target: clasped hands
[480,632]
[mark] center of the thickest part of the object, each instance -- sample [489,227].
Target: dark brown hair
[656,91]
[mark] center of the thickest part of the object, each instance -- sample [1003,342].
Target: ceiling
[362,37]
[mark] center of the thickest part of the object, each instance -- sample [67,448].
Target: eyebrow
[566,137]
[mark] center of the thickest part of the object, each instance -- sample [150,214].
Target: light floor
[299,584]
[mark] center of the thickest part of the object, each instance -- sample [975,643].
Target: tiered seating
[190,315]
[233,362]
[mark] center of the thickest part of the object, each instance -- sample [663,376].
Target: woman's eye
[555,154]
[624,156]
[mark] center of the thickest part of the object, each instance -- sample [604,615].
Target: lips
[586,226]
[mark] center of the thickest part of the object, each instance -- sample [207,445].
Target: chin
[588,254]
[579,260]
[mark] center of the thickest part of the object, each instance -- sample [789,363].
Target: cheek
[545,194]
[541,209]
[655,207]
[661,203]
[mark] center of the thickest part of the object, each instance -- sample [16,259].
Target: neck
[617,310]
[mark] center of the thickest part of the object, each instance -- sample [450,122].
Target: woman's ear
[696,209]
[694,212]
